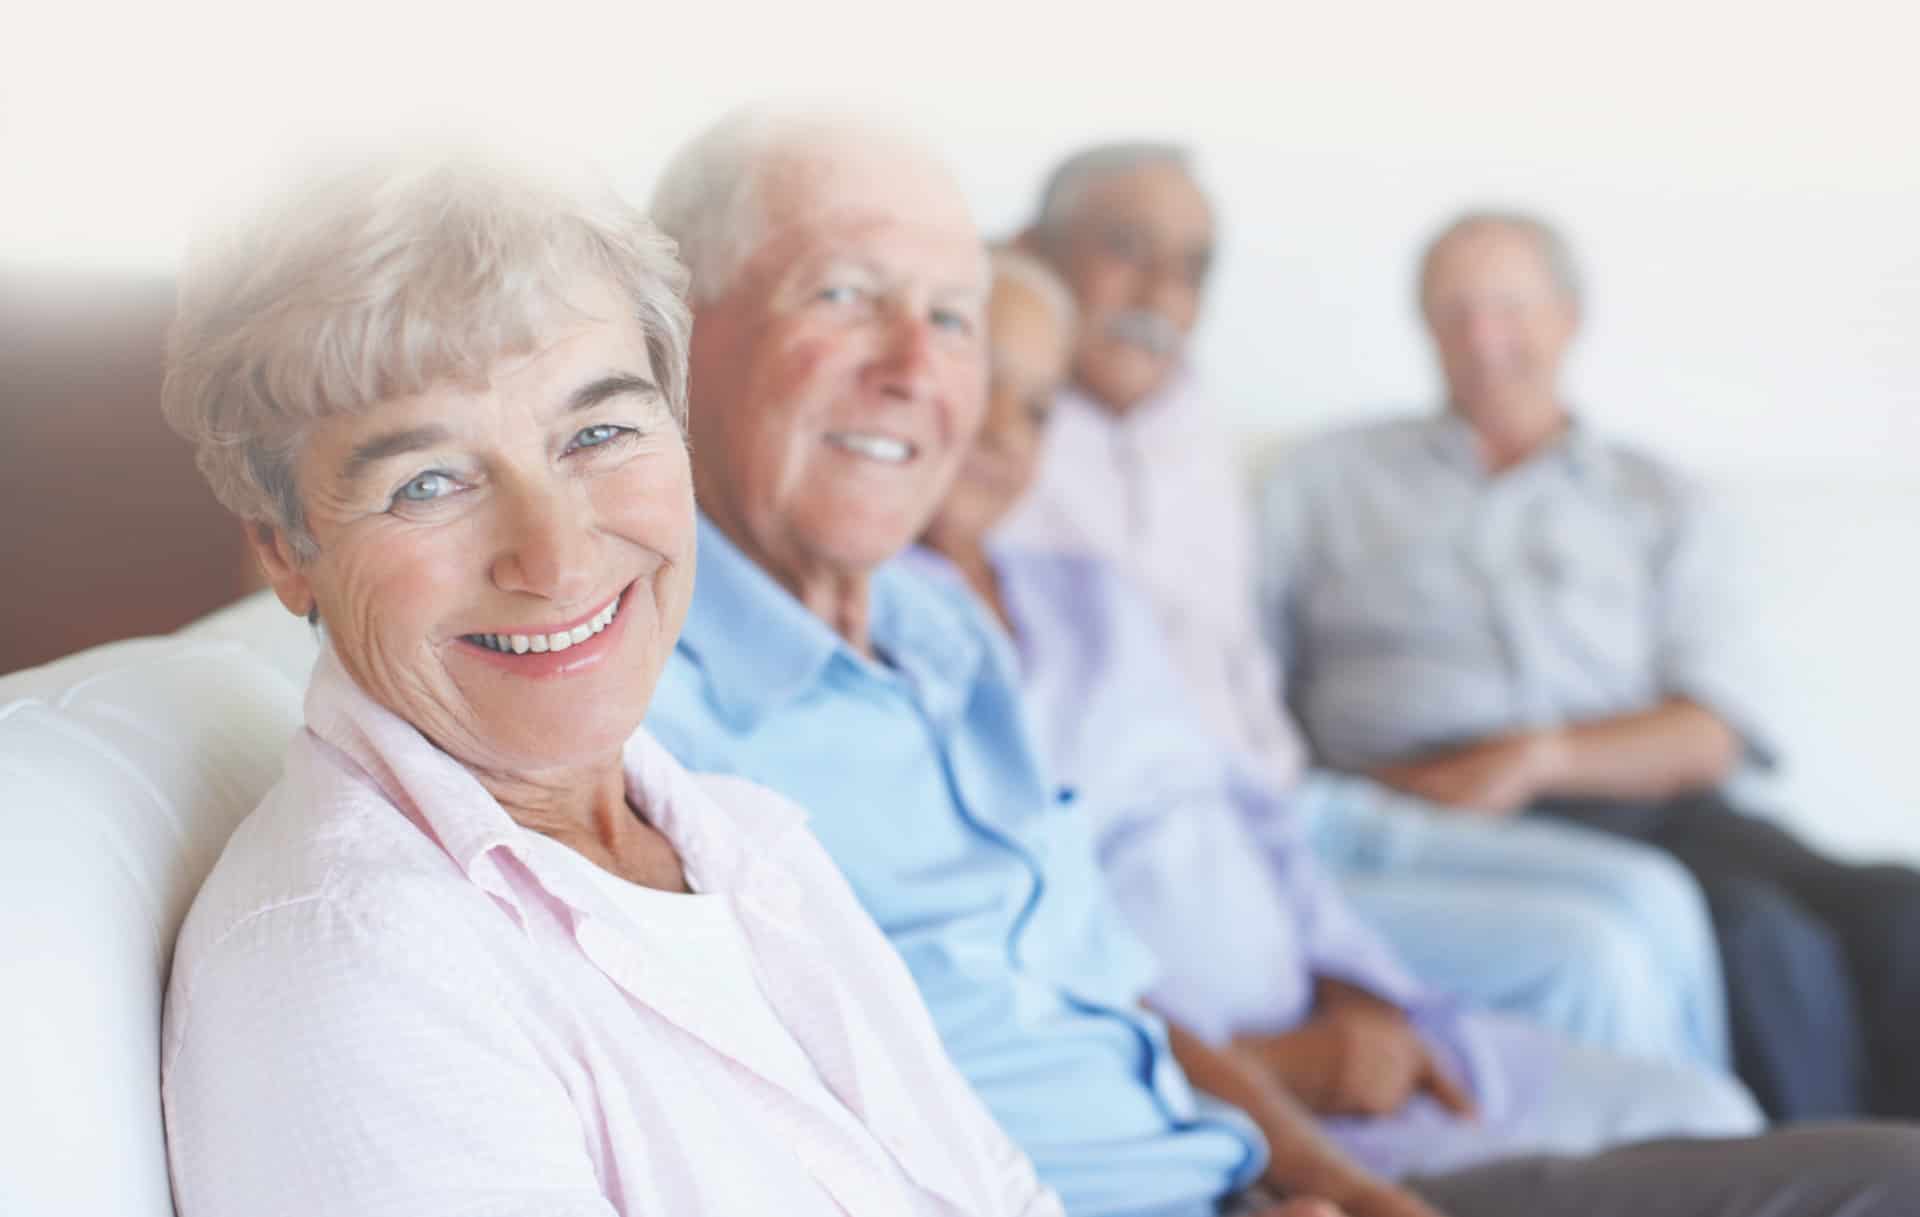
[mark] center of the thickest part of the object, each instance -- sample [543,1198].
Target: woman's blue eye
[426,487]
[598,434]
[840,293]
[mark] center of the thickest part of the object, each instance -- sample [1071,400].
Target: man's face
[1136,253]
[1501,326]
[840,378]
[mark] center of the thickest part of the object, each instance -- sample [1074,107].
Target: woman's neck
[968,555]
[590,814]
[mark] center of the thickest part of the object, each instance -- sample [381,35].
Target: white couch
[122,771]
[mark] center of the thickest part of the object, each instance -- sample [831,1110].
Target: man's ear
[280,561]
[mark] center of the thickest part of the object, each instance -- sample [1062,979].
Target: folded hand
[1357,1058]
[1499,777]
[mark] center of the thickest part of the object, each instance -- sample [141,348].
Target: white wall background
[1742,178]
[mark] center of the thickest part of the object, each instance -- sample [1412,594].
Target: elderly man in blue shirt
[1495,608]
[838,370]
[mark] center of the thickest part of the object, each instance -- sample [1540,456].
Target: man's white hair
[1012,265]
[1073,179]
[1554,248]
[713,196]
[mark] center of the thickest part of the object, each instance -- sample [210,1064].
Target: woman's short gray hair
[362,285]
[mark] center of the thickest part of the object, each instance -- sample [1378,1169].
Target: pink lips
[576,658]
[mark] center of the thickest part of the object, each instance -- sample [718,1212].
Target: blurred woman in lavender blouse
[1258,949]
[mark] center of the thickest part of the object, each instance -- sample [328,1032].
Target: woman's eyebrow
[594,392]
[390,444]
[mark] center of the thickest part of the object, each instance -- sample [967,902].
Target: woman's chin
[532,741]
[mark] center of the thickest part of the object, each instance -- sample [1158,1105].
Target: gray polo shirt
[1418,602]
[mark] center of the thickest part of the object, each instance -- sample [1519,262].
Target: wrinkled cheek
[377,604]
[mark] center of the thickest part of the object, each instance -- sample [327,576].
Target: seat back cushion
[123,770]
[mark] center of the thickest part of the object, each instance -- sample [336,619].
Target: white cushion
[259,621]
[122,771]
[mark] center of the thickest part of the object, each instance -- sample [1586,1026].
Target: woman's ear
[284,571]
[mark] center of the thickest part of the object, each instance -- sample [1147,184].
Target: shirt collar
[444,799]
[1578,450]
[1167,408]
[929,627]
[429,787]
[758,646]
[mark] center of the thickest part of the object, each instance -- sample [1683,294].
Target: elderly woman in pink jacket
[487,948]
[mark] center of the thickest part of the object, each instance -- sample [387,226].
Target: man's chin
[864,549]
[1121,383]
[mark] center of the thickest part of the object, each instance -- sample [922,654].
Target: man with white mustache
[1599,938]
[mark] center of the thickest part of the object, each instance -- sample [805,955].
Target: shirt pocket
[1592,593]
[1411,596]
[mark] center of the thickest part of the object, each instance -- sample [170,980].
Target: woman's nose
[547,544]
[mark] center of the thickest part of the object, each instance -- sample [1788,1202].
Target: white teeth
[874,447]
[559,640]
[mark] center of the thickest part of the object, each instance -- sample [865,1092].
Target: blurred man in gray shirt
[1498,610]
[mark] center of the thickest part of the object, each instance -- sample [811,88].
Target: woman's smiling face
[506,566]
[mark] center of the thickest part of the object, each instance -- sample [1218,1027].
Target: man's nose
[907,365]
[1168,287]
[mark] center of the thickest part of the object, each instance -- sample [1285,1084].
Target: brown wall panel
[106,530]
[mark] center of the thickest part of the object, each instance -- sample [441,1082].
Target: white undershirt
[704,934]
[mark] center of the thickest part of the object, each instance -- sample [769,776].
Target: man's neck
[1515,437]
[836,596]
[841,599]
[1117,413]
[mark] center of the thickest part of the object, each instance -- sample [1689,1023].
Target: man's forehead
[879,239]
[1490,249]
[1161,195]
[878,177]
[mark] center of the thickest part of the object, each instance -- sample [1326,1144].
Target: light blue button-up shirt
[920,777]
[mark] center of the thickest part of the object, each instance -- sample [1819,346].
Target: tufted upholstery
[122,771]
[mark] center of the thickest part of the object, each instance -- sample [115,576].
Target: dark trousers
[1822,958]
[1827,1170]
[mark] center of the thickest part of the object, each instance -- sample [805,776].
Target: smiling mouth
[539,643]
[882,448]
